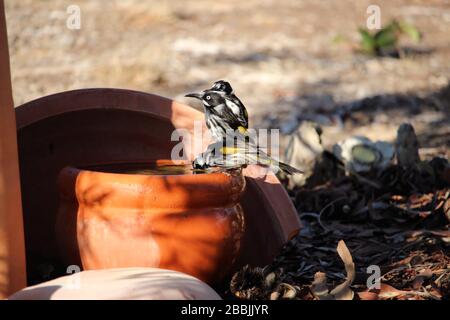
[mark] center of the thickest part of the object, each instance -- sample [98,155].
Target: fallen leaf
[289,291]
[420,278]
[367,295]
[389,292]
[270,279]
[274,295]
[343,291]
[319,286]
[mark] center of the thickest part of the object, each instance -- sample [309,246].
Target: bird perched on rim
[224,112]
[230,154]
[227,119]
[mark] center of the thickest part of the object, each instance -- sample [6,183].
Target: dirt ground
[282,57]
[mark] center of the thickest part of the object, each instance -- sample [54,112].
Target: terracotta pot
[192,223]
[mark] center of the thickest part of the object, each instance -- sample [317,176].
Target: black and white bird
[227,121]
[225,114]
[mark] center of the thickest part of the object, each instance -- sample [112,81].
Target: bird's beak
[195,95]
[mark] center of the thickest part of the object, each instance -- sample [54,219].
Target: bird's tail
[288,169]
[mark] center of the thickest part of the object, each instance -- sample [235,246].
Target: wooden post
[12,247]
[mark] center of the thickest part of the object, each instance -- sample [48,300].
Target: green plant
[387,38]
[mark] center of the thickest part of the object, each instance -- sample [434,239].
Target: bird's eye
[208,97]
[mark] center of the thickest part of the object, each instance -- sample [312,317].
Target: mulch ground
[379,236]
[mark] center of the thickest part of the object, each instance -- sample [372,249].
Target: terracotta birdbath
[87,128]
[156,214]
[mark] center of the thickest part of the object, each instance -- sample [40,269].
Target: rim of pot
[177,192]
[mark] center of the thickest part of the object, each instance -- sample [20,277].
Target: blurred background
[288,60]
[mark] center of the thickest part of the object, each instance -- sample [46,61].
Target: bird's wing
[238,110]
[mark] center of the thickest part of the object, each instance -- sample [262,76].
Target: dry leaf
[270,279]
[289,291]
[274,295]
[389,292]
[319,286]
[343,291]
[367,295]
